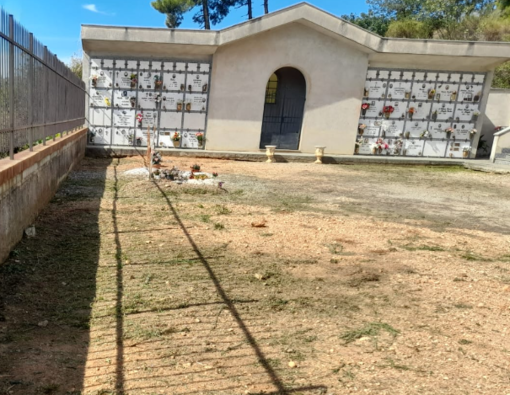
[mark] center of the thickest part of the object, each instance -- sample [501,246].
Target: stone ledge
[9,169]
[282,157]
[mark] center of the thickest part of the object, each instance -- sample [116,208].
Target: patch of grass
[371,329]
[266,234]
[222,210]
[218,226]
[463,306]
[465,342]
[470,256]
[335,248]
[364,278]
[410,247]
[48,389]
[392,364]
[277,304]
[205,218]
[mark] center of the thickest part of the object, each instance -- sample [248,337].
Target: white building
[295,78]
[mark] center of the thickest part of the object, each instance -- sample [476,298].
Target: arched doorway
[283,109]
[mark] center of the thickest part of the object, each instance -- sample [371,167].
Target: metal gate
[283,115]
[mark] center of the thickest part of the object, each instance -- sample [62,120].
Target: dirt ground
[364,279]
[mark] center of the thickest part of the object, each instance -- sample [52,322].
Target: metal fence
[40,97]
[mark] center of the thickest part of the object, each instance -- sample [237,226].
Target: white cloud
[91,7]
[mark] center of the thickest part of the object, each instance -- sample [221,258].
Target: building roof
[205,42]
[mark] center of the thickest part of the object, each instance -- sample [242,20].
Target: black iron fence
[40,97]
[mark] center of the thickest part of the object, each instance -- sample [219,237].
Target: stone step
[502,161]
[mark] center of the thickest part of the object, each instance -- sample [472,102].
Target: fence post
[31,93]
[11,84]
[45,85]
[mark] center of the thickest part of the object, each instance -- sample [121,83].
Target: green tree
[409,28]
[76,65]
[374,23]
[174,10]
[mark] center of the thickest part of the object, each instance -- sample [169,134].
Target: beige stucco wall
[334,71]
[497,113]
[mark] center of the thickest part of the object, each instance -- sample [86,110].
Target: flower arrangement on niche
[364,108]
[176,138]
[357,144]
[94,79]
[431,94]
[448,131]
[158,82]
[399,143]
[200,138]
[134,79]
[361,128]
[473,132]
[378,146]
[411,112]
[387,111]
[139,118]
[425,134]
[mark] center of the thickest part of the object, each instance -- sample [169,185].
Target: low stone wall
[29,182]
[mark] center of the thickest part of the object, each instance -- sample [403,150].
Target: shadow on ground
[47,287]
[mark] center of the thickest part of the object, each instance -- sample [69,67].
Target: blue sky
[57,22]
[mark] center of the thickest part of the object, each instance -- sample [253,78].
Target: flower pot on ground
[375,151]
[319,153]
[356,149]
[270,149]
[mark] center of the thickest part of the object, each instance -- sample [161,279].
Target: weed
[470,256]
[49,389]
[464,341]
[371,329]
[392,364]
[266,234]
[335,248]
[463,306]
[218,226]
[277,304]
[222,210]
[410,247]
[205,218]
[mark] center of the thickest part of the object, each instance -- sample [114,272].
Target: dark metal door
[283,118]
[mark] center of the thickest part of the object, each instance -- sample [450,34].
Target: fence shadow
[270,372]
[47,287]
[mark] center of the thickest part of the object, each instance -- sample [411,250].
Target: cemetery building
[296,78]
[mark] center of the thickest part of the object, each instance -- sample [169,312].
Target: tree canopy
[473,20]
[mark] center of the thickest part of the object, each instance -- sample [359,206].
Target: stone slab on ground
[487,166]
